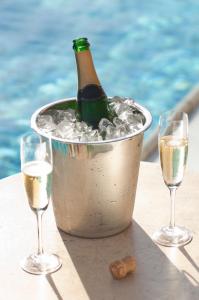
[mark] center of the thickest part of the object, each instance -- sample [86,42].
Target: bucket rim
[38,130]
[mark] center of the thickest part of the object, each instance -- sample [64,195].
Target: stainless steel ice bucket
[94,184]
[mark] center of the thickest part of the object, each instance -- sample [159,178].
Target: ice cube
[45,122]
[139,117]
[126,116]
[129,117]
[94,135]
[135,127]
[64,128]
[103,124]
[70,115]
[117,122]
[118,104]
[59,115]
[124,129]
[110,132]
[129,102]
[81,126]
[73,135]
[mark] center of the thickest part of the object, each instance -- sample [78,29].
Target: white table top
[162,273]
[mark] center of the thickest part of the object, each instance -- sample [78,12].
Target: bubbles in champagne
[37,180]
[66,125]
[173,156]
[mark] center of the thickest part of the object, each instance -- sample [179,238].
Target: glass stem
[39,214]
[172,191]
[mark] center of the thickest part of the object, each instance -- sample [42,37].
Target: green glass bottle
[91,98]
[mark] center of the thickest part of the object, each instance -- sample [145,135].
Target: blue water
[147,50]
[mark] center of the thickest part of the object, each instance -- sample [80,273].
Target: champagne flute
[173,150]
[36,166]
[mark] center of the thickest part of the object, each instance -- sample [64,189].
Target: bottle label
[91,92]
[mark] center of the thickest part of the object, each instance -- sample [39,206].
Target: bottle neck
[85,69]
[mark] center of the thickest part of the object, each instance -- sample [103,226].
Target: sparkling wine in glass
[36,166]
[173,150]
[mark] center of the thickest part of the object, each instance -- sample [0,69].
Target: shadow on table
[155,277]
[51,282]
[190,259]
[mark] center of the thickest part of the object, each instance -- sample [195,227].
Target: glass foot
[41,264]
[172,237]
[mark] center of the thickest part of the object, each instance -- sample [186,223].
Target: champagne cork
[121,268]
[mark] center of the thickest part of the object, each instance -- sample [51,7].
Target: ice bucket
[94,184]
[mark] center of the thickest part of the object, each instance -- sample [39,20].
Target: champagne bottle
[91,98]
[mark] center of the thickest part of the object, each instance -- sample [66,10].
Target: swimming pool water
[147,50]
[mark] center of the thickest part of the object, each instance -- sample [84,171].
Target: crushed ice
[64,123]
